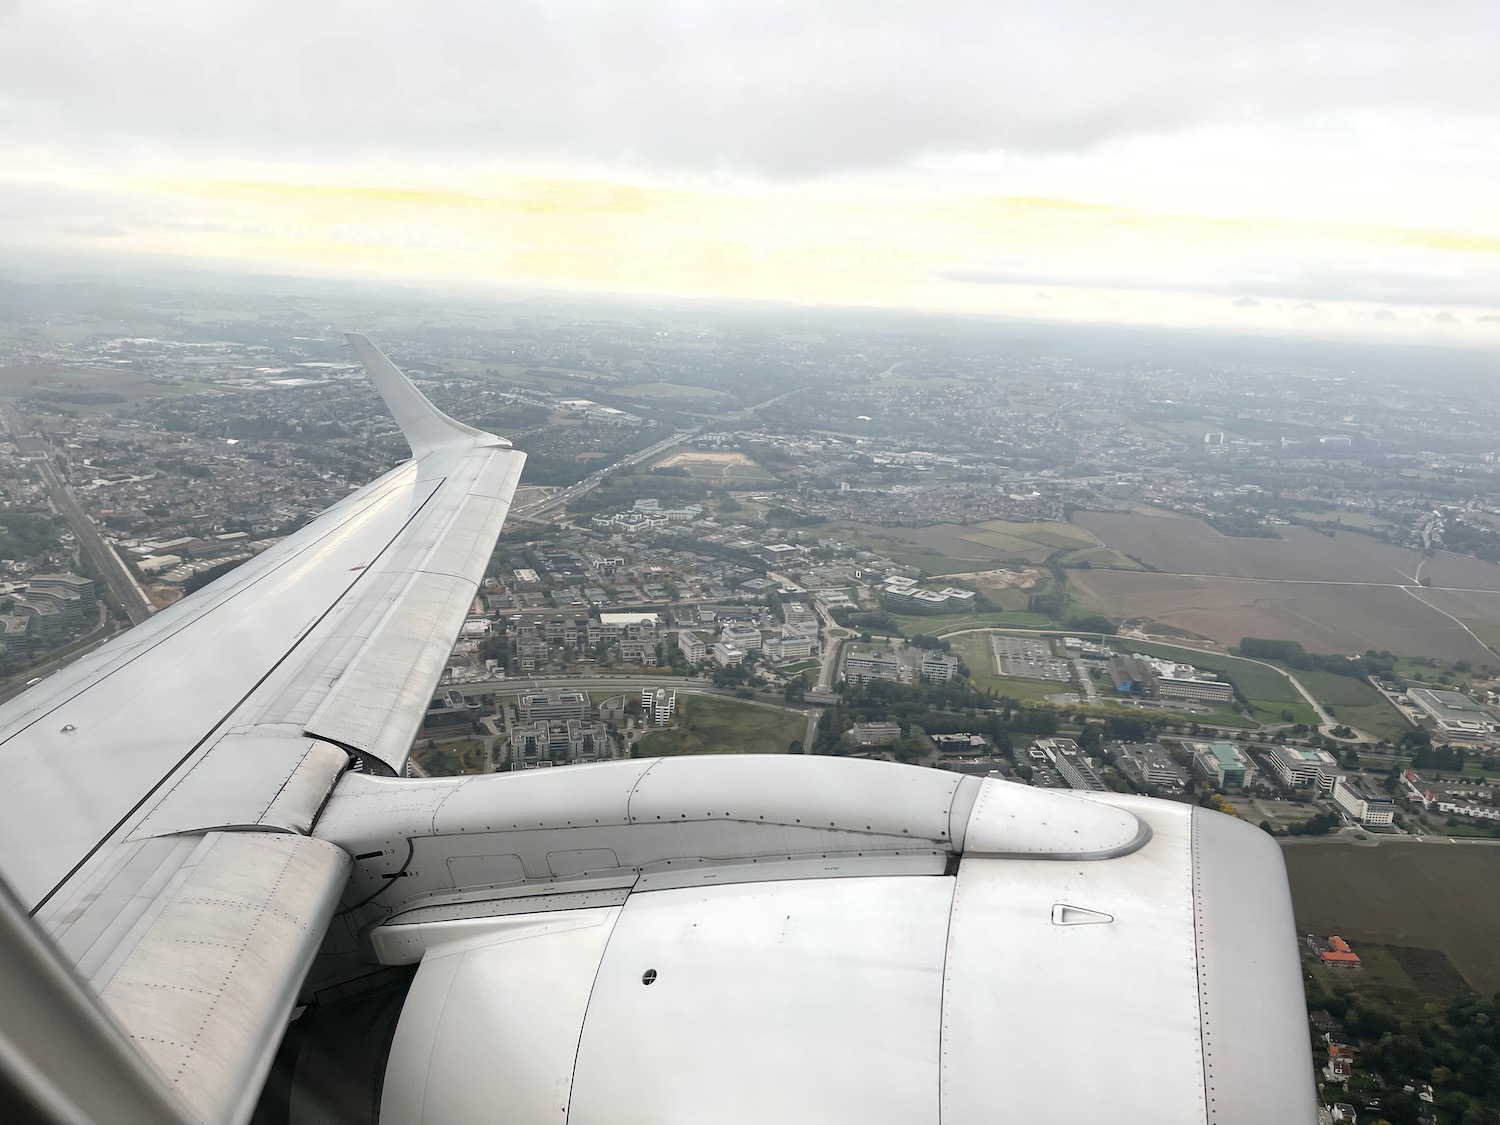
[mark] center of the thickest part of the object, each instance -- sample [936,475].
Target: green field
[1103,557]
[938,624]
[1347,519]
[1355,702]
[450,759]
[669,390]
[1011,535]
[935,565]
[1414,982]
[951,548]
[711,725]
[974,648]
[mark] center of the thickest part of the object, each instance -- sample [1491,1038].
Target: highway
[119,580]
[594,480]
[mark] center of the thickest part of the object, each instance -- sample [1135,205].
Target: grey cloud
[91,226]
[1491,319]
[1445,318]
[1246,302]
[1419,279]
[1383,314]
[775,87]
[30,209]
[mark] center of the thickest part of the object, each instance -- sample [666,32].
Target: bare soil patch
[1428,896]
[1480,612]
[704,457]
[1320,617]
[1176,544]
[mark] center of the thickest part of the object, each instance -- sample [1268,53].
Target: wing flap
[277,781]
[205,992]
[377,707]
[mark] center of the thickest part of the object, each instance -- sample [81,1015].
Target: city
[1184,583]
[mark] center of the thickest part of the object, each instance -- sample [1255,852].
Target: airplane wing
[164,785]
[726,939]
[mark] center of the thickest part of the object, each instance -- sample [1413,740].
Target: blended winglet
[427,428]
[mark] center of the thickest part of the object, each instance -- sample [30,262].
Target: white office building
[1370,809]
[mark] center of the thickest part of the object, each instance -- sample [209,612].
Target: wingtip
[426,428]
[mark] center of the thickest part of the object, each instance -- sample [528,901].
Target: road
[14,686]
[1086,681]
[122,584]
[605,684]
[532,511]
[127,592]
[1348,837]
[828,657]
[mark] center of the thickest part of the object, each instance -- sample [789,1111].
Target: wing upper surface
[345,626]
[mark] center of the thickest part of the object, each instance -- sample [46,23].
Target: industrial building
[1298,767]
[961,743]
[746,638]
[874,734]
[1136,674]
[1150,766]
[904,596]
[1454,712]
[694,647]
[938,667]
[556,704]
[1223,765]
[1069,760]
[659,707]
[558,740]
[793,644]
[862,665]
[1373,810]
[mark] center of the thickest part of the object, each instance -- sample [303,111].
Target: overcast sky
[1327,167]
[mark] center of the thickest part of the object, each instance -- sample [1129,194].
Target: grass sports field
[710,725]
[1424,896]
